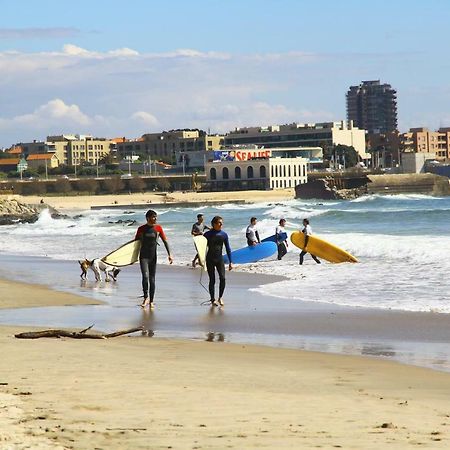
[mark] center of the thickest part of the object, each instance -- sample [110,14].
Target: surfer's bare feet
[152,305]
[145,302]
[213,302]
[220,302]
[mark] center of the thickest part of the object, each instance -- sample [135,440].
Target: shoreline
[137,392]
[79,202]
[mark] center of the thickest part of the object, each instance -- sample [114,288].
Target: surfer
[307,231]
[198,228]
[214,260]
[281,244]
[148,235]
[251,233]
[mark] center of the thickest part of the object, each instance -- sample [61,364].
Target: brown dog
[98,266]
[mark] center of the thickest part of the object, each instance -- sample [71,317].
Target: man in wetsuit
[198,229]
[214,260]
[281,244]
[148,235]
[307,231]
[251,233]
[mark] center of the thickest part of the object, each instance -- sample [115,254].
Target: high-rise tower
[373,106]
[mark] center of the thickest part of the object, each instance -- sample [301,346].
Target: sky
[113,68]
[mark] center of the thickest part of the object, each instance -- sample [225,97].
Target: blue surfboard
[273,238]
[252,253]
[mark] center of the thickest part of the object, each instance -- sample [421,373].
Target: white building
[239,169]
[324,135]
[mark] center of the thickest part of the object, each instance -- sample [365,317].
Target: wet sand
[248,317]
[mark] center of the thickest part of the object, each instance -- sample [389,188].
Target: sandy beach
[77,202]
[142,392]
[135,392]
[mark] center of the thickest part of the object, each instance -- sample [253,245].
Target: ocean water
[402,243]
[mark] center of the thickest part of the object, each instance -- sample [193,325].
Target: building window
[289,171]
[213,174]
[249,172]
[225,173]
[295,170]
[237,172]
[262,172]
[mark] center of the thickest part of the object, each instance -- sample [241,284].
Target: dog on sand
[98,266]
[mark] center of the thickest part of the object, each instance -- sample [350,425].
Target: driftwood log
[73,334]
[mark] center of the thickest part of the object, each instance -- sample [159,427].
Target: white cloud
[122,92]
[145,118]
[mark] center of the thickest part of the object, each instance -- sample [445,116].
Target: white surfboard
[125,255]
[201,245]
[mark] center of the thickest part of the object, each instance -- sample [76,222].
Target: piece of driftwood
[73,334]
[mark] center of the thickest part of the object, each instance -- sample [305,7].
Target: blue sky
[113,68]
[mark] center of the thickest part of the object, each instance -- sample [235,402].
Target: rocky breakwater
[12,211]
[345,186]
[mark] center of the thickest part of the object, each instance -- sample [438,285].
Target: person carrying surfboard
[281,243]
[198,228]
[251,233]
[307,231]
[217,238]
[148,234]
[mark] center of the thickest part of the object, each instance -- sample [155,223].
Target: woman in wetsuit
[148,235]
[214,260]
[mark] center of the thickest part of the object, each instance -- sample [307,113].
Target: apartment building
[324,135]
[71,149]
[167,144]
[372,106]
[422,140]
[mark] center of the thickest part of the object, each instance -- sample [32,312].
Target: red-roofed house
[9,164]
[15,150]
[49,160]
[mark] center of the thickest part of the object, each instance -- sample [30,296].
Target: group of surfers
[149,233]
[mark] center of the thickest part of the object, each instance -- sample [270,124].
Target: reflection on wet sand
[377,350]
[147,322]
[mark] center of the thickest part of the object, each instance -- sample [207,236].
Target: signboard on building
[240,155]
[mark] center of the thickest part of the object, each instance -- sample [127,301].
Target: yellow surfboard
[201,245]
[125,255]
[321,248]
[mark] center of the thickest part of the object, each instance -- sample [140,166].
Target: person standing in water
[251,233]
[307,231]
[214,260]
[198,229]
[281,244]
[148,234]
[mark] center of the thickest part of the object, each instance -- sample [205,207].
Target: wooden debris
[73,334]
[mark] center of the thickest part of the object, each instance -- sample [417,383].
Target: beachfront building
[372,106]
[324,135]
[71,149]
[168,144]
[422,140]
[259,168]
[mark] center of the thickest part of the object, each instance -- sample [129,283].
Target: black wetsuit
[148,235]
[214,260]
